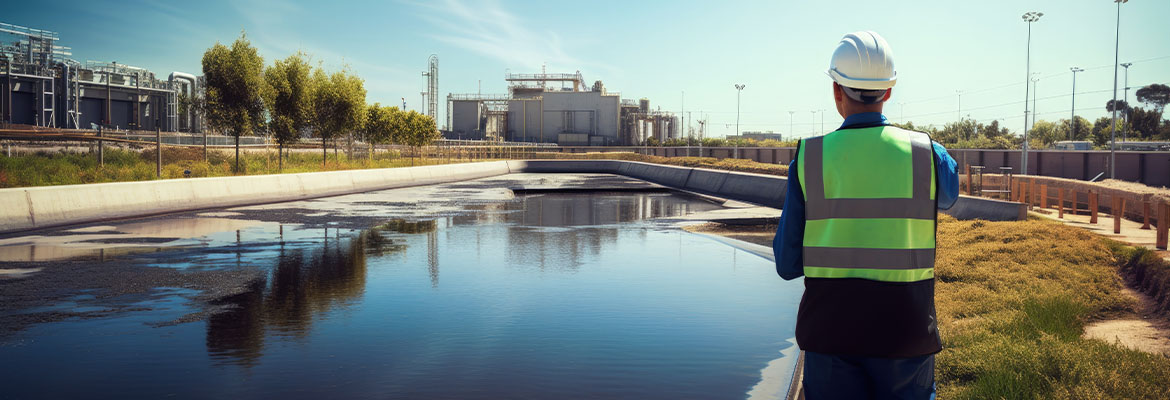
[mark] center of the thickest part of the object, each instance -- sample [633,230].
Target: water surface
[543,296]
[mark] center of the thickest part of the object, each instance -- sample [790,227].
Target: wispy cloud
[488,29]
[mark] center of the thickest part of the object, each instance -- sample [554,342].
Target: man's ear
[838,94]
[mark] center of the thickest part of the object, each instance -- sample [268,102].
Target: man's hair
[864,96]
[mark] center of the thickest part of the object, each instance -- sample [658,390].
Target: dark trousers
[845,377]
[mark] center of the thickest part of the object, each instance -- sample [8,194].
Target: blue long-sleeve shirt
[789,241]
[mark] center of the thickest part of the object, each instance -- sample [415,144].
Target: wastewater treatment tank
[461,290]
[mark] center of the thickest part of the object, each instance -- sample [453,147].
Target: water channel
[553,295]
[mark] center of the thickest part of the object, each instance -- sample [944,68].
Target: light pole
[1113,126]
[790,132]
[738,92]
[1072,121]
[902,112]
[813,123]
[959,113]
[1125,100]
[822,121]
[1028,17]
[1035,91]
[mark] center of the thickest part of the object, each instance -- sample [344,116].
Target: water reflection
[553,231]
[305,283]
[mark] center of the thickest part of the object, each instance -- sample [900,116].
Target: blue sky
[659,49]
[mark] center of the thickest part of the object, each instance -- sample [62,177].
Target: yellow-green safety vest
[870,208]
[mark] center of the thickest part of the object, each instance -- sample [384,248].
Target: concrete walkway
[1131,231]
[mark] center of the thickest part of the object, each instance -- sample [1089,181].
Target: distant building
[573,115]
[1073,145]
[769,135]
[1142,146]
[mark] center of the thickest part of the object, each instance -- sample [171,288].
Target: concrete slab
[706,180]
[764,190]
[968,207]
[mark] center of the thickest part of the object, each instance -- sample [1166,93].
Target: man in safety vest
[859,224]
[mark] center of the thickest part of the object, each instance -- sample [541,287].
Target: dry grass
[56,168]
[1012,300]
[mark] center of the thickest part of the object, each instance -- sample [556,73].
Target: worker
[859,224]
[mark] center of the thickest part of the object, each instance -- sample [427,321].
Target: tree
[1084,129]
[417,130]
[1122,107]
[1044,133]
[234,85]
[288,95]
[993,130]
[1156,96]
[339,101]
[1102,131]
[382,125]
[1145,123]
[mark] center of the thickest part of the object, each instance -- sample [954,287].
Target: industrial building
[574,114]
[42,86]
[769,135]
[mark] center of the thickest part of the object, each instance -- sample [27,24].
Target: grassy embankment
[1012,301]
[740,165]
[45,169]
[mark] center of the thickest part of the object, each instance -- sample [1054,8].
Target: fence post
[1036,193]
[970,190]
[1060,202]
[1043,195]
[1094,197]
[158,149]
[101,148]
[1163,225]
[1146,215]
[1118,211]
[1073,199]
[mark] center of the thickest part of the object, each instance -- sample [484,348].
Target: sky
[953,58]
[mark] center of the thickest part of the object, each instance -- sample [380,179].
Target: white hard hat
[863,60]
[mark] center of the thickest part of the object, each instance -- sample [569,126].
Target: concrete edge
[33,208]
[23,209]
[759,189]
[970,207]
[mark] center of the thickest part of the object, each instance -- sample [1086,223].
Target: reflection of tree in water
[306,282]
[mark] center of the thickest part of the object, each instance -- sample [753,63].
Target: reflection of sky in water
[551,296]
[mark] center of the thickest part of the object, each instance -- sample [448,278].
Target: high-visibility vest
[868,254]
[870,207]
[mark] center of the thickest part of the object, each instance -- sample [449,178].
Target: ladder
[48,103]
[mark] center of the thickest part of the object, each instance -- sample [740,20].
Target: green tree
[234,85]
[1044,134]
[417,130]
[1123,108]
[288,95]
[1102,131]
[382,125]
[1156,96]
[993,130]
[1144,123]
[339,101]
[1083,131]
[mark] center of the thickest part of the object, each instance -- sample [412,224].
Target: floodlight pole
[1072,120]
[1028,17]
[1113,126]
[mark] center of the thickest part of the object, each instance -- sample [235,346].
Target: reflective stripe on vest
[869,205]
